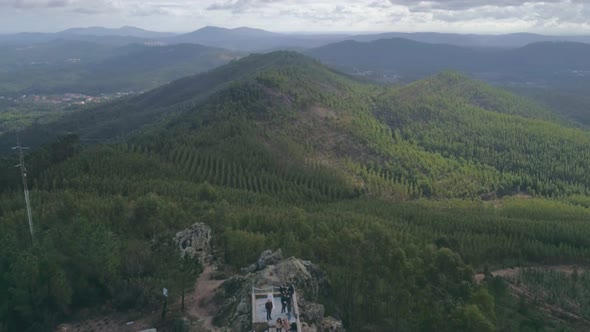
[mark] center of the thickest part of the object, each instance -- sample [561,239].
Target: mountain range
[126,31]
[94,60]
[543,64]
[249,39]
[512,40]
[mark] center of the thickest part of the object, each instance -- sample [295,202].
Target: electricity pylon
[23,172]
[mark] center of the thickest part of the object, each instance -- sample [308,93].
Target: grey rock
[269,257]
[251,268]
[195,242]
[330,324]
[307,328]
[272,270]
[312,313]
[266,258]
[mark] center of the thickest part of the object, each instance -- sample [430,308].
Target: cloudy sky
[465,16]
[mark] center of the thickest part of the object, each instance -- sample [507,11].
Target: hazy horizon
[555,17]
[302,32]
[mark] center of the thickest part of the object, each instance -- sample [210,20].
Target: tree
[189,268]
[470,319]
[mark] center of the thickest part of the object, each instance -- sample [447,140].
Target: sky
[462,16]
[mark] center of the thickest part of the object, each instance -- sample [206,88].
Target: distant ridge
[125,31]
[244,31]
[250,39]
[253,39]
[512,40]
[398,56]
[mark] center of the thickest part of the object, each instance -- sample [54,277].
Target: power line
[23,172]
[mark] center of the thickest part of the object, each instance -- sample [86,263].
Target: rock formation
[268,257]
[195,242]
[272,270]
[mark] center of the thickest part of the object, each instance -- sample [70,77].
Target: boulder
[330,324]
[195,242]
[269,257]
[266,258]
[306,328]
[311,312]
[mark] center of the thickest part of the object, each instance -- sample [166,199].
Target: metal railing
[264,292]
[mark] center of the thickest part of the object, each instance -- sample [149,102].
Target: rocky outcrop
[330,324]
[272,270]
[268,257]
[195,242]
[311,312]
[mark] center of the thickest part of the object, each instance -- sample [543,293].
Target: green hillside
[400,193]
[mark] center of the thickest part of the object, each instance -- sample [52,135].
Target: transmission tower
[23,172]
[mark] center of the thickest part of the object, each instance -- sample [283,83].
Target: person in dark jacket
[291,290]
[283,303]
[289,306]
[268,307]
[283,289]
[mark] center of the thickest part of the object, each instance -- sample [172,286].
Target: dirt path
[513,272]
[510,274]
[555,311]
[200,303]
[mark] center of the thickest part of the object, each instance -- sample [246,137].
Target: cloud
[572,16]
[458,5]
[241,6]
[98,7]
[75,6]
[35,3]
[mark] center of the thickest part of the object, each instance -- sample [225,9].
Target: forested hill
[301,113]
[125,116]
[398,192]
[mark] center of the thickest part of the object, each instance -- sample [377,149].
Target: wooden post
[253,306]
[164,308]
[165,292]
[183,279]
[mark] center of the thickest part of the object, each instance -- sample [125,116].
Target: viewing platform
[259,299]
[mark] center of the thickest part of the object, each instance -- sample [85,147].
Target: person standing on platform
[289,306]
[283,289]
[279,325]
[283,303]
[268,307]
